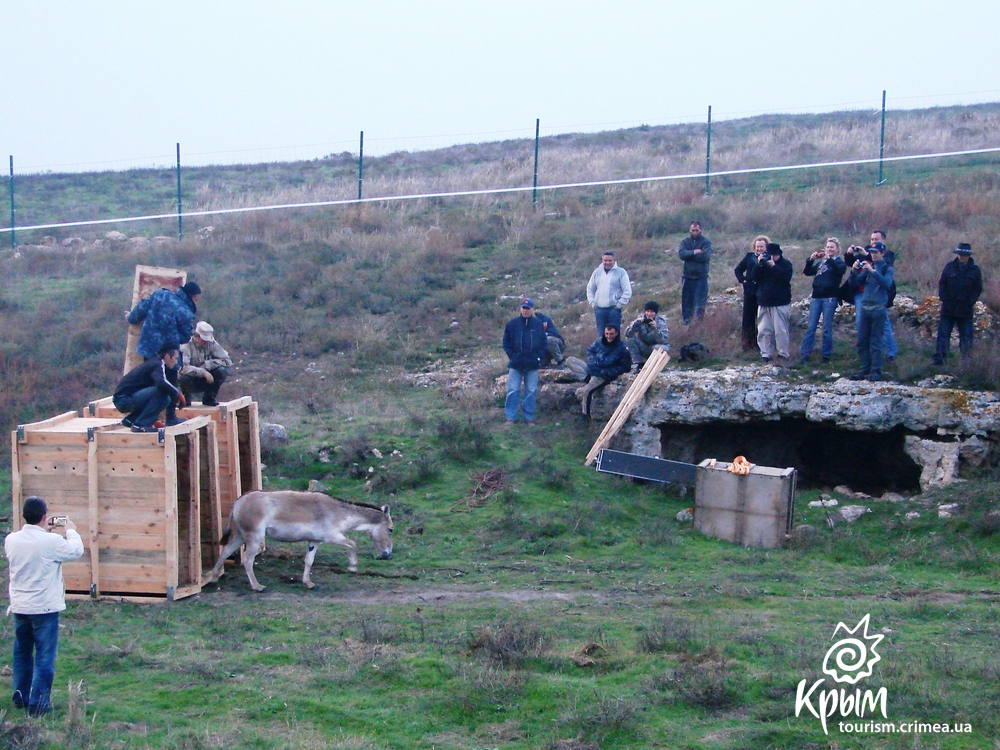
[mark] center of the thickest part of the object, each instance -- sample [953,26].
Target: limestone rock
[892,497]
[947,510]
[272,435]
[829,503]
[803,531]
[115,236]
[685,516]
[939,461]
[852,513]
[317,486]
[912,515]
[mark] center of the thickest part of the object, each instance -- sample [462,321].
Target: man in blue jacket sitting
[607,358]
[525,344]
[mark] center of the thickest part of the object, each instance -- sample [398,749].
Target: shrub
[510,642]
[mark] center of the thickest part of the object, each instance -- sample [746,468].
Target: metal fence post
[534,184]
[881,142]
[708,150]
[180,224]
[361,162]
[13,242]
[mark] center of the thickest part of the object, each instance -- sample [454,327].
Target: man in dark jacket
[828,268]
[959,287]
[773,276]
[554,342]
[525,344]
[166,317]
[149,389]
[607,358]
[696,252]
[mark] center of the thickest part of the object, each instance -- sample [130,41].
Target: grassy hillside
[570,610]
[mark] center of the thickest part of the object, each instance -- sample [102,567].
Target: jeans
[191,384]
[607,316]
[749,319]
[871,339]
[36,640]
[514,380]
[143,406]
[825,306]
[694,298]
[888,338]
[966,333]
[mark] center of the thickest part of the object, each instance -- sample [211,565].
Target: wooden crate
[237,435]
[752,510]
[145,504]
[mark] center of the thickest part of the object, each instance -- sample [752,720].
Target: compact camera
[57,520]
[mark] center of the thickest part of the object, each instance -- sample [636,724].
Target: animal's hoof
[310,584]
[258,589]
[352,568]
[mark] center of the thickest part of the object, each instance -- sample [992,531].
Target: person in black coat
[959,287]
[773,276]
[607,358]
[525,344]
[742,270]
[827,268]
[149,389]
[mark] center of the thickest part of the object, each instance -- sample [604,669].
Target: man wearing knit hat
[959,287]
[646,333]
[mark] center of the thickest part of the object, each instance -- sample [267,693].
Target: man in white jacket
[35,555]
[608,291]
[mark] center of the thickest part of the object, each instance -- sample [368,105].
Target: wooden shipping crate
[145,504]
[237,435]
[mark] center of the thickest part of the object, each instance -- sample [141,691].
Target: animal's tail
[227,533]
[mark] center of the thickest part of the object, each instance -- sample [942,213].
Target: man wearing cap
[35,555]
[166,317]
[773,277]
[646,333]
[696,252]
[205,365]
[959,287]
[524,341]
[608,291]
[874,276]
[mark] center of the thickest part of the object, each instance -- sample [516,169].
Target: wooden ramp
[654,365]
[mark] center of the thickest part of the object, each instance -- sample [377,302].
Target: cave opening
[823,455]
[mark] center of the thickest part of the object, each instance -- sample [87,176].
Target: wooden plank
[252,449]
[211,510]
[92,514]
[16,490]
[654,365]
[32,426]
[141,541]
[145,470]
[170,509]
[47,437]
[112,528]
[147,280]
[233,450]
[194,512]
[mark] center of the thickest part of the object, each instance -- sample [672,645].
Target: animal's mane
[357,504]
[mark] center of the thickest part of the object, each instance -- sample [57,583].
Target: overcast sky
[111,85]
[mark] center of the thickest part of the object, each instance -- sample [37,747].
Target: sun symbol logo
[853,656]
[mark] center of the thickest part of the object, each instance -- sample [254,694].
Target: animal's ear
[385,511]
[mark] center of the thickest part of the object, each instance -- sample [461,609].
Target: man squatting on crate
[204,365]
[35,555]
[146,391]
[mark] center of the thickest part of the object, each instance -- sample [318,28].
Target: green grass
[477,634]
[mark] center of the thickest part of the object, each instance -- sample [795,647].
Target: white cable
[499,191]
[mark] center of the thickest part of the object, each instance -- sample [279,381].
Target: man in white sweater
[608,291]
[35,555]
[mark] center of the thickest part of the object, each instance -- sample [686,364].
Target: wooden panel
[170,508]
[147,280]
[17,491]
[211,512]
[92,511]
